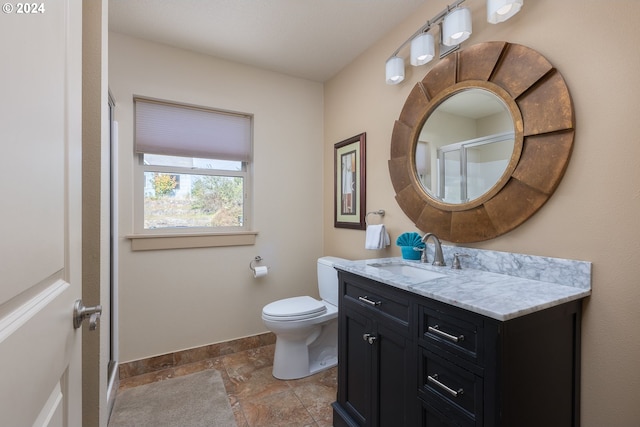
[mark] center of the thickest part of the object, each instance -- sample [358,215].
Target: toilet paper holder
[252,265]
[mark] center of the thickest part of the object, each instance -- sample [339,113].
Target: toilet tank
[328,279]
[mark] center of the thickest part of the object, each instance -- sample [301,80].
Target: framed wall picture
[349,159]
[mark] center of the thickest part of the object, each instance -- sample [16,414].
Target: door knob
[80,312]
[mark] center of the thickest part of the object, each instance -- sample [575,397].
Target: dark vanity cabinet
[408,360]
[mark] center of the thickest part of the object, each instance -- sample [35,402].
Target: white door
[40,212]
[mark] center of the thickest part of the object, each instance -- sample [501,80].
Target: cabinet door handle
[434,379]
[368,301]
[437,331]
[369,338]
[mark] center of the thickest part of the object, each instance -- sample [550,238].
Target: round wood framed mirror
[541,134]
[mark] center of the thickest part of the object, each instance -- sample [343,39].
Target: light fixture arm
[426,27]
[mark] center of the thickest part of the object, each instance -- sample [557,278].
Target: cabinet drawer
[454,332]
[387,302]
[456,391]
[431,417]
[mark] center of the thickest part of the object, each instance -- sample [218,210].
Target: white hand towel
[376,237]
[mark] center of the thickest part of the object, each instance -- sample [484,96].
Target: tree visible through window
[220,197]
[206,197]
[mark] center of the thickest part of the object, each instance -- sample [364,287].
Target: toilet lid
[295,307]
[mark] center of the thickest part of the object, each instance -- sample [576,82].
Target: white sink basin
[408,270]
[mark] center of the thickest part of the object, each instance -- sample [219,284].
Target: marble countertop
[500,295]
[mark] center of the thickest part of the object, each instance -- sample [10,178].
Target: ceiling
[310,39]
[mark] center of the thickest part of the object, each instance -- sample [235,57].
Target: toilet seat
[295,308]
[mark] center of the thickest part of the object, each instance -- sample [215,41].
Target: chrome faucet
[438,257]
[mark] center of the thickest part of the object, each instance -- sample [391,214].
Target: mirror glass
[464,146]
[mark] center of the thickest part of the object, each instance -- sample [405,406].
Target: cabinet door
[354,366]
[395,386]
[377,381]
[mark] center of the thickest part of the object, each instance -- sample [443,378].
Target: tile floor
[257,398]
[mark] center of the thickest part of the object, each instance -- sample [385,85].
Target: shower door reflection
[468,169]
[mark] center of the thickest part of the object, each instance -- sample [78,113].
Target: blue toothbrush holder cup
[409,253]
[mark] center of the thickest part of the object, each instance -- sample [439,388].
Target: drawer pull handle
[368,301]
[437,331]
[434,379]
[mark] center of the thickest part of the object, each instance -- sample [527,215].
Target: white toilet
[306,329]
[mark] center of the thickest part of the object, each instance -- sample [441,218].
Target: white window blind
[178,130]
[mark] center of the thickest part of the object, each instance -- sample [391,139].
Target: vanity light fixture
[395,70]
[455,27]
[422,49]
[501,10]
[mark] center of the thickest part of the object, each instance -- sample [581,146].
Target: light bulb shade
[395,70]
[501,10]
[422,49]
[456,27]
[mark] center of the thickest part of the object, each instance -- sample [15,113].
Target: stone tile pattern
[257,398]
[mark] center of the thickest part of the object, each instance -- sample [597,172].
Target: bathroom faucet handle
[456,260]
[423,255]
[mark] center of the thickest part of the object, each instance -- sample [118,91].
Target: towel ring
[378,212]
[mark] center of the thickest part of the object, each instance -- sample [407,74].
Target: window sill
[151,242]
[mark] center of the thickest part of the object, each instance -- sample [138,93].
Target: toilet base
[322,365]
[296,358]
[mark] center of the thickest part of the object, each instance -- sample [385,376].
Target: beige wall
[594,213]
[171,300]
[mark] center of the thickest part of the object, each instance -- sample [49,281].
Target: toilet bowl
[306,329]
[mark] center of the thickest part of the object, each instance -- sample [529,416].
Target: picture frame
[349,160]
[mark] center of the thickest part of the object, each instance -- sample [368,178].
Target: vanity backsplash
[561,271]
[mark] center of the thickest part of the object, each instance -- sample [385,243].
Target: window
[193,169]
